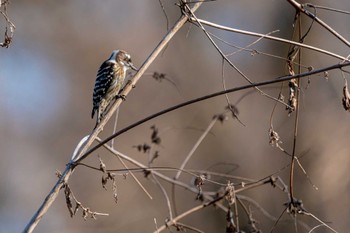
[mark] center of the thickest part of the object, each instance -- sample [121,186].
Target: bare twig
[165,194]
[194,148]
[132,174]
[161,187]
[302,9]
[115,125]
[320,221]
[188,212]
[181,226]
[253,52]
[9,25]
[327,8]
[229,105]
[271,38]
[251,44]
[257,205]
[296,122]
[195,19]
[165,14]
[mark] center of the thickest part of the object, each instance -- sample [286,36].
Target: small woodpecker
[109,81]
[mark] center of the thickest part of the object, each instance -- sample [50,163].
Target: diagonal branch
[218,26]
[188,212]
[80,155]
[300,7]
[195,147]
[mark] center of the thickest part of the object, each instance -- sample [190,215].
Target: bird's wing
[104,79]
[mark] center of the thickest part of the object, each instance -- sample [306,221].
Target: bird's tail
[93,112]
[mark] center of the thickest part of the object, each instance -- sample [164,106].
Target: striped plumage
[109,81]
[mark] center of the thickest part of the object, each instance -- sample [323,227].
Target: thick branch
[69,168]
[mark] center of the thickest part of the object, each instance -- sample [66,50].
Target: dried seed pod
[346,97]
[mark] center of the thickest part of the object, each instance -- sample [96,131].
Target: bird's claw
[119,96]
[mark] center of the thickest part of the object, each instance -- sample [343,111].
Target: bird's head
[123,58]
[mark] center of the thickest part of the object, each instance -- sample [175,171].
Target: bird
[109,81]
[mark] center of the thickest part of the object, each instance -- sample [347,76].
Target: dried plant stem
[320,221]
[166,196]
[296,123]
[188,212]
[194,148]
[270,38]
[115,125]
[257,205]
[141,165]
[132,174]
[300,8]
[195,19]
[161,187]
[81,154]
[247,186]
[327,8]
[185,226]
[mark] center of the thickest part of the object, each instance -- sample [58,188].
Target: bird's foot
[119,96]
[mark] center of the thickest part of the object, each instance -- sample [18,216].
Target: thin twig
[229,105]
[302,9]
[251,44]
[271,38]
[253,52]
[9,27]
[296,123]
[165,14]
[257,205]
[115,125]
[278,219]
[166,196]
[182,225]
[320,221]
[327,8]
[188,212]
[167,199]
[196,145]
[195,19]
[132,174]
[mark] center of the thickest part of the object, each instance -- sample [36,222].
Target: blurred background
[47,77]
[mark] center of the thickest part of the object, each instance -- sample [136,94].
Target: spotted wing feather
[104,80]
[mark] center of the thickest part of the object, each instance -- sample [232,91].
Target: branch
[70,166]
[188,212]
[264,83]
[218,26]
[194,148]
[301,8]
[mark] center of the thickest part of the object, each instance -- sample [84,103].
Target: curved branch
[264,83]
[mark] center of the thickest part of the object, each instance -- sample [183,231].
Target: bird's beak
[132,66]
